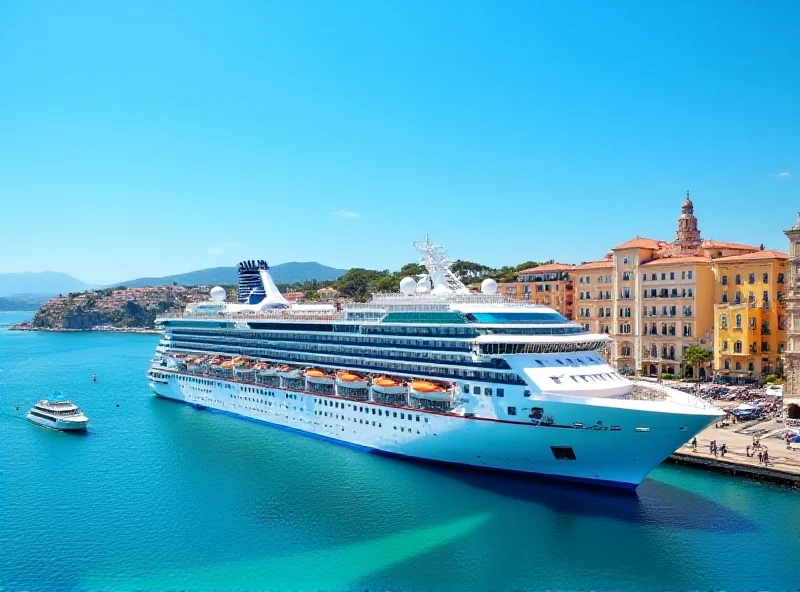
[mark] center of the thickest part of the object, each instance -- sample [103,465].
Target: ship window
[501,393]
[426,420]
[395,414]
[466,388]
[512,410]
[563,452]
[417,417]
[476,390]
[487,391]
[526,393]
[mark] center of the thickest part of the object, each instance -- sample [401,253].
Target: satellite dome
[489,286]
[218,294]
[408,286]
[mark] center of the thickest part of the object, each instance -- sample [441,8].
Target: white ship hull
[59,424]
[612,445]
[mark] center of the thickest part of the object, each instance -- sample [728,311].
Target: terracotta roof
[548,267]
[604,264]
[753,256]
[712,244]
[640,243]
[686,260]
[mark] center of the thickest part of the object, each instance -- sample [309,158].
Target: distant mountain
[23,301]
[284,273]
[45,282]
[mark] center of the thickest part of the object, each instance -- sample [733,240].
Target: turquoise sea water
[159,495]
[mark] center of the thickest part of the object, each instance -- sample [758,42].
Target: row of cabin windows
[486,391]
[386,365]
[337,339]
[588,377]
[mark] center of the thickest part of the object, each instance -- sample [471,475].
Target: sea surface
[158,495]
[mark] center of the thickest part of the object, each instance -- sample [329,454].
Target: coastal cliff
[114,308]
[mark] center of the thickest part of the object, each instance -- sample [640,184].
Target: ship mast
[441,278]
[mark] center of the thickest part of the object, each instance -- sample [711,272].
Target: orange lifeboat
[423,386]
[423,389]
[389,386]
[350,380]
[318,376]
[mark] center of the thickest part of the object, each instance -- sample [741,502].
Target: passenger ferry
[434,372]
[58,414]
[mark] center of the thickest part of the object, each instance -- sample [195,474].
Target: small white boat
[58,414]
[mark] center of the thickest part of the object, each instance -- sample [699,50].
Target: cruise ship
[434,372]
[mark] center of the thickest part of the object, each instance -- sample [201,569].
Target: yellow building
[594,295]
[750,322]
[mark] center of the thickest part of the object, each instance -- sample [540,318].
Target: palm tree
[697,356]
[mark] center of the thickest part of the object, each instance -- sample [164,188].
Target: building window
[727,364]
[725,345]
[738,281]
[723,321]
[780,278]
[663,276]
[737,347]
[738,321]
[765,278]
[724,280]
[689,274]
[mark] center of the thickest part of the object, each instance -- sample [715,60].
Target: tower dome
[688,206]
[688,235]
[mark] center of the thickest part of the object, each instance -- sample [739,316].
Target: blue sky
[147,138]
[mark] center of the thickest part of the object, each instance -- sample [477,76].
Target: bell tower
[688,236]
[791,358]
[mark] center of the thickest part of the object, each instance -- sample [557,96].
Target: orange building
[550,285]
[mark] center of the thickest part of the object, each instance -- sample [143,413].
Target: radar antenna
[441,277]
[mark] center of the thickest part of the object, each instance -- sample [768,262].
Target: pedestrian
[724,449]
[766,457]
[747,451]
[694,444]
[760,457]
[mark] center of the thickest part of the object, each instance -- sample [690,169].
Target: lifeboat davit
[264,370]
[289,372]
[350,380]
[318,376]
[389,386]
[423,389]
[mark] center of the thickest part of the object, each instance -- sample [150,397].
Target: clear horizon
[142,139]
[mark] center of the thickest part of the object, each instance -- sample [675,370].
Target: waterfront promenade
[784,463]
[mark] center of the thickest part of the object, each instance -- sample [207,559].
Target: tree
[696,356]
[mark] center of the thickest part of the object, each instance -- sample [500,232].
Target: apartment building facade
[550,285]
[750,322]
